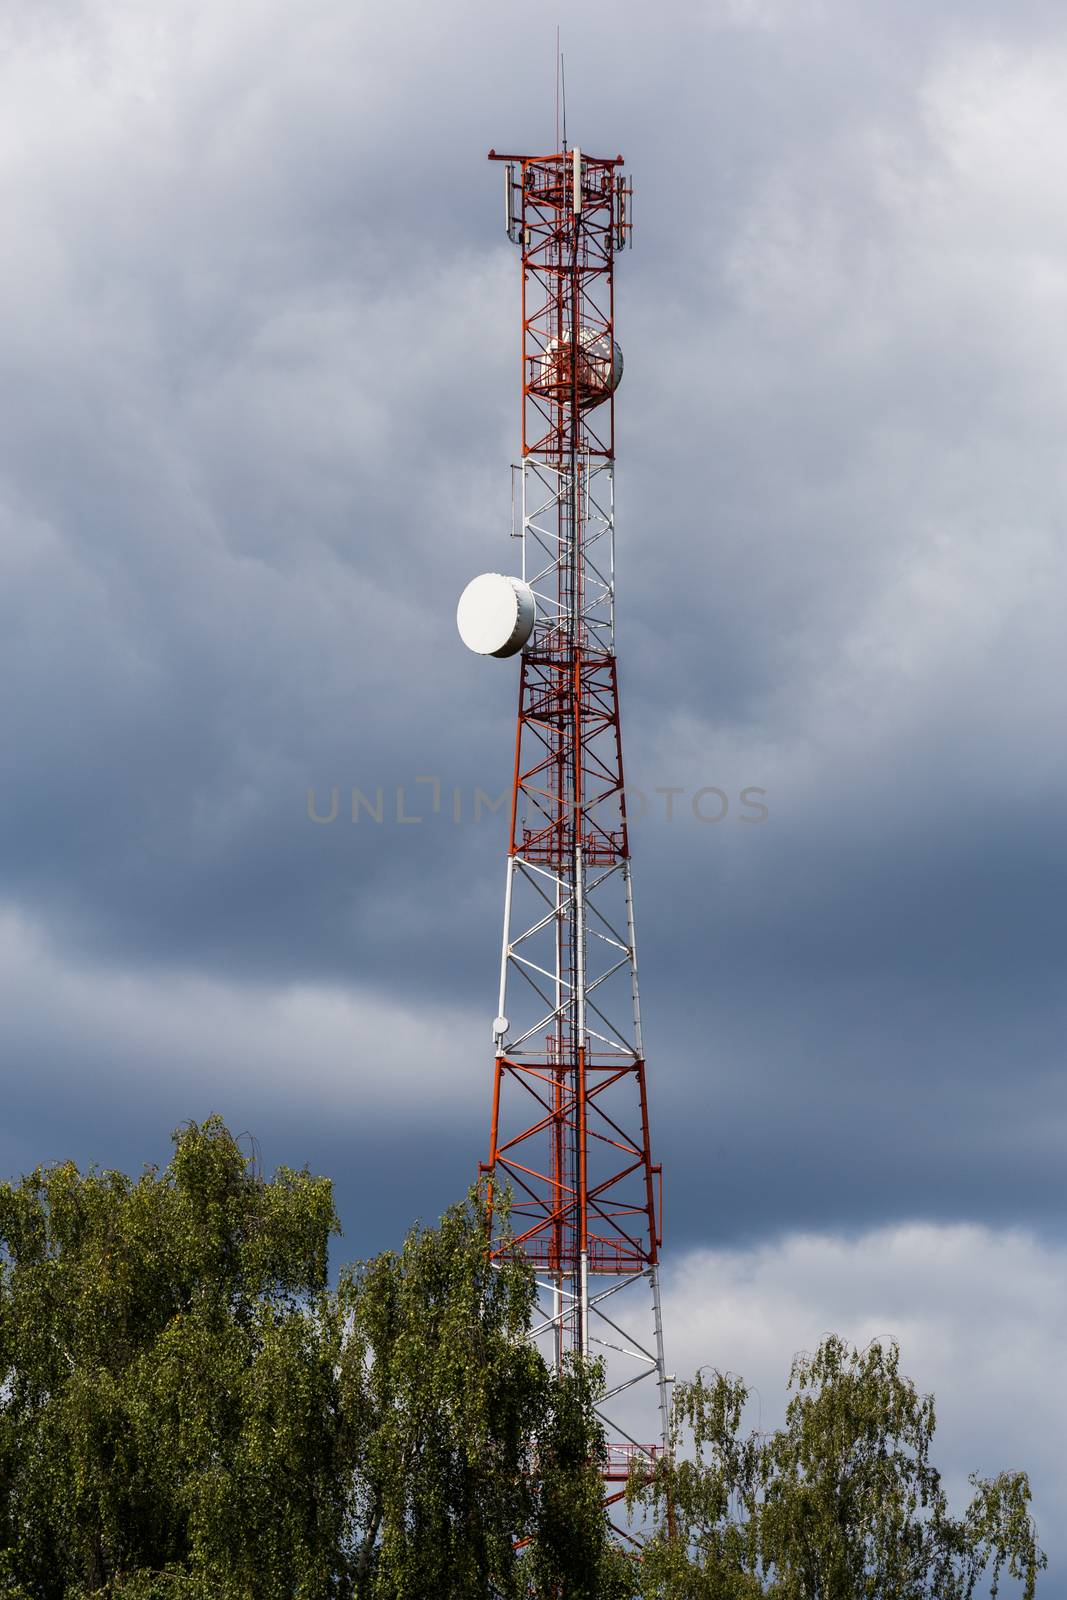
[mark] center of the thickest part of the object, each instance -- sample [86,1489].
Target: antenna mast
[569,1127]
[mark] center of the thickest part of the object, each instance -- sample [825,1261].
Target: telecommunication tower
[569,1128]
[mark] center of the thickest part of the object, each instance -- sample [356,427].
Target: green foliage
[840,1504]
[186,1410]
[462,1442]
[573,1554]
[439,1392]
[166,1354]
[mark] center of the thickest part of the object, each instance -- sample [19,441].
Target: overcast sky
[259,342]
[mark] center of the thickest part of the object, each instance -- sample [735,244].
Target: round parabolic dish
[599,372]
[496,614]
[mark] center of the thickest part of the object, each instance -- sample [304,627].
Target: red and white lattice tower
[570,1131]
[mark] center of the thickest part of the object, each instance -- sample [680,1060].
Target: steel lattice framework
[570,1127]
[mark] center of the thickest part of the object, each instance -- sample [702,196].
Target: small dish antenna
[496,614]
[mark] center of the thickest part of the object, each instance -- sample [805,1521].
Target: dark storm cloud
[261,345]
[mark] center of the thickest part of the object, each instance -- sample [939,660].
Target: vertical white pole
[611,550]
[505,948]
[661,1375]
[631,936]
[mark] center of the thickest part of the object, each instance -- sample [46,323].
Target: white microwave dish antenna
[496,614]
